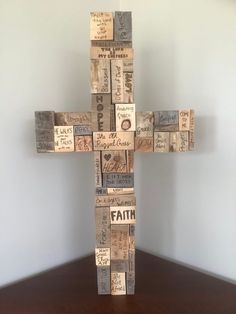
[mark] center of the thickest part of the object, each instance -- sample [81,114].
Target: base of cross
[114,131]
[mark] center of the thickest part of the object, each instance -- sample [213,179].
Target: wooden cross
[114,131]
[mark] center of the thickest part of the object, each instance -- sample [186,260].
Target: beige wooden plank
[119,242]
[167,120]
[109,53]
[192,130]
[130,160]
[72,118]
[183,141]
[173,141]
[144,144]
[125,117]
[101,105]
[117,191]
[128,79]
[123,26]
[117,81]
[64,139]
[184,120]
[102,256]
[112,118]
[131,255]
[128,65]
[111,43]
[113,140]
[114,161]
[103,227]
[101,26]
[115,200]
[122,215]
[100,76]
[144,124]
[161,142]
[83,143]
[118,283]
[98,169]
[131,242]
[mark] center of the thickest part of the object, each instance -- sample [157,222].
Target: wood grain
[101,120]
[123,26]
[64,139]
[125,117]
[83,143]
[100,76]
[113,141]
[108,53]
[101,26]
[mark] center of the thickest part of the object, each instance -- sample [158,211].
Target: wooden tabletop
[162,287]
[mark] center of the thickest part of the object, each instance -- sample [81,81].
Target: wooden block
[114,161]
[119,266]
[117,191]
[102,256]
[103,280]
[122,215]
[173,141]
[45,147]
[117,80]
[191,132]
[125,117]
[113,118]
[111,53]
[64,139]
[73,118]
[123,26]
[161,142]
[144,144]
[44,119]
[128,97]
[83,143]
[103,227]
[130,283]
[101,191]
[115,200]
[182,141]
[98,169]
[118,180]
[118,284]
[101,105]
[128,66]
[100,76]
[132,230]
[131,242]
[184,120]
[111,44]
[130,160]
[131,254]
[113,140]
[191,138]
[83,129]
[144,124]
[101,26]
[119,242]
[166,120]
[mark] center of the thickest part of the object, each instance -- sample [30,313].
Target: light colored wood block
[173,141]
[144,124]
[117,191]
[98,169]
[103,227]
[102,256]
[113,141]
[118,180]
[184,120]
[111,44]
[130,283]
[131,242]
[123,26]
[144,144]
[101,26]
[118,284]
[101,105]
[125,117]
[167,120]
[114,161]
[182,141]
[130,160]
[117,80]
[113,118]
[161,142]
[131,254]
[103,280]
[64,139]
[108,53]
[115,200]
[132,230]
[122,215]
[128,66]
[100,77]
[119,242]
[128,97]
[72,118]
[119,266]
[83,143]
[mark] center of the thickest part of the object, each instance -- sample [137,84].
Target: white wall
[47,203]
[185,54]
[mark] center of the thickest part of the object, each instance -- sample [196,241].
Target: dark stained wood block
[162,287]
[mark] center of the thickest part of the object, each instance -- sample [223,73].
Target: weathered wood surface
[83,129]
[119,242]
[161,142]
[117,191]
[72,118]
[123,26]
[113,141]
[98,169]
[114,161]
[119,266]
[128,80]
[118,180]
[144,124]
[44,131]
[130,160]
[182,141]
[111,53]
[83,143]
[103,280]
[166,120]
[102,256]
[125,117]
[101,191]
[130,283]
[123,215]
[64,139]
[115,200]
[111,44]
[101,120]
[103,231]
[100,76]
[117,81]
[118,284]
[144,144]
[101,26]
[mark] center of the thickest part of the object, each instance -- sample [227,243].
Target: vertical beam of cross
[114,131]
